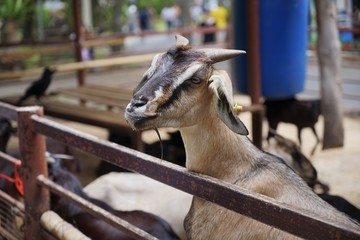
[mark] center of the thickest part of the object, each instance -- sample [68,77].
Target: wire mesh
[11,218]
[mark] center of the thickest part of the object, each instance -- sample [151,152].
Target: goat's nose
[136,103]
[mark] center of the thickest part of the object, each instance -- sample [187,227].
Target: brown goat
[181,89]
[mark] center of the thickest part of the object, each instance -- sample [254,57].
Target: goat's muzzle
[138,111]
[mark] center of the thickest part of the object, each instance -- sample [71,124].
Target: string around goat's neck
[161,144]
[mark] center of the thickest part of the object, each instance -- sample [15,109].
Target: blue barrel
[283,45]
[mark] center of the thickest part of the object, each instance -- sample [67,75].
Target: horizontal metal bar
[7,198]
[261,208]
[7,157]
[58,227]
[117,222]
[8,111]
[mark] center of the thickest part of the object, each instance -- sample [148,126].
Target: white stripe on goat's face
[160,93]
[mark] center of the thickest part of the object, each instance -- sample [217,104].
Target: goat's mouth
[140,121]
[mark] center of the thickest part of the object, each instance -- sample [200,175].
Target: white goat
[132,191]
[182,90]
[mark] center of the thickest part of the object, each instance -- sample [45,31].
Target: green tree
[12,13]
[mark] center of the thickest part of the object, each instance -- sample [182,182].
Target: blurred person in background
[208,21]
[168,14]
[221,16]
[196,15]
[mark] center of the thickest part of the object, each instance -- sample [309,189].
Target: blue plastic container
[283,45]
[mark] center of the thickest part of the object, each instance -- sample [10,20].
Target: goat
[342,205]
[290,152]
[96,228]
[292,155]
[301,113]
[6,168]
[5,133]
[64,154]
[136,191]
[181,89]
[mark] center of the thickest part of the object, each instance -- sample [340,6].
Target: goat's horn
[219,55]
[181,41]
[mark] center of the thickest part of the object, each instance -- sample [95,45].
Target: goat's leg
[273,126]
[299,136]
[317,140]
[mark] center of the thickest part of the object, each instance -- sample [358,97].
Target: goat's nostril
[139,103]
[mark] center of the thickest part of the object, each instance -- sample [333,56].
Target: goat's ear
[224,107]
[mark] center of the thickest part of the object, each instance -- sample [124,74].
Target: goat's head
[181,83]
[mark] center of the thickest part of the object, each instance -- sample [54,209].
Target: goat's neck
[213,149]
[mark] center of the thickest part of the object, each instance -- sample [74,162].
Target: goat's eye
[195,80]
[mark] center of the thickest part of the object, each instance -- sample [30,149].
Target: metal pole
[79,39]
[254,67]
[32,147]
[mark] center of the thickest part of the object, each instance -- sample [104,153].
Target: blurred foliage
[21,13]
[14,9]
[108,15]
[155,4]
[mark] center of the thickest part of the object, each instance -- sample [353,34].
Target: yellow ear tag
[237,108]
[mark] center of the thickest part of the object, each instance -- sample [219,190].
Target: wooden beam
[79,39]
[33,163]
[80,65]
[254,77]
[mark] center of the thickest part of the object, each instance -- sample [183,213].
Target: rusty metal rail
[116,222]
[298,222]
[8,111]
[32,127]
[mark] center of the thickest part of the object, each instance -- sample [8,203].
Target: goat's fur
[215,143]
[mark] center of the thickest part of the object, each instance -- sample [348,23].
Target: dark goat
[291,153]
[342,205]
[96,228]
[5,132]
[65,154]
[5,167]
[301,113]
[38,87]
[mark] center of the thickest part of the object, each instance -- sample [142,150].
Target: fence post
[32,147]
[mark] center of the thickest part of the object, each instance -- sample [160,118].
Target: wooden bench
[98,105]
[101,106]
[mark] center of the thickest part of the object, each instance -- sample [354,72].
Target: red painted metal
[254,68]
[32,147]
